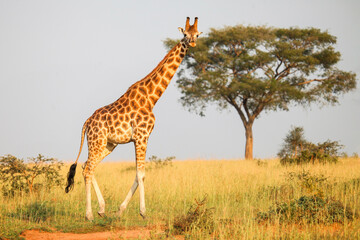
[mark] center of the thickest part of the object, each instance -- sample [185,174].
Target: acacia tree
[256,69]
[18,176]
[297,150]
[294,143]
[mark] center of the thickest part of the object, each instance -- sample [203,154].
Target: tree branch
[313,80]
[284,72]
[232,102]
[266,71]
[251,71]
[246,109]
[277,68]
[258,110]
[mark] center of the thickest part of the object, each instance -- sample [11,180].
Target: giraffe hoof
[102,214]
[118,214]
[143,215]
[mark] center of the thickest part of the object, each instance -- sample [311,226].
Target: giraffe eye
[184,35]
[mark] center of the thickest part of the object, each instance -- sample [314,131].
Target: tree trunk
[247,121]
[249,141]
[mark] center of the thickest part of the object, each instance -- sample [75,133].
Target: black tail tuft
[70,178]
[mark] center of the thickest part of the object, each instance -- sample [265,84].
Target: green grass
[237,191]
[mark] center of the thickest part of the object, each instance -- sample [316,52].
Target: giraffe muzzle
[193,44]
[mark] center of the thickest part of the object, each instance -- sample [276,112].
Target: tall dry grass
[236,190]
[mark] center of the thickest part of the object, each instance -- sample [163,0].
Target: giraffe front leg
[128,197]
[141,177]
[140,147]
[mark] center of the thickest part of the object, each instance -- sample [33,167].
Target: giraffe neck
[154,84]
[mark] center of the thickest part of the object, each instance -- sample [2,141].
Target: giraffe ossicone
[129,119]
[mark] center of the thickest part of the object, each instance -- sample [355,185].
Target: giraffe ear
[181,30]
[200,33]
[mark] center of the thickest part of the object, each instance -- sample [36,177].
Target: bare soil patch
[140,233]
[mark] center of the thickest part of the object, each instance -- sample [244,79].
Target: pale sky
[62,60]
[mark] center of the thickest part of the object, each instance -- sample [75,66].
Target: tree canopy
[257,68]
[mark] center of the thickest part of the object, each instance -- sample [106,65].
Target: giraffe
[129,119]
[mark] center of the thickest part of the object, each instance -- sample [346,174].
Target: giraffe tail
[70,178]
[72,170]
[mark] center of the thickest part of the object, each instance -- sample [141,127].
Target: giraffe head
[190,33]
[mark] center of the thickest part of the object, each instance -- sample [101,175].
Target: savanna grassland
[237,199]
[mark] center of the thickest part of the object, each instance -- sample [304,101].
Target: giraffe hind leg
[100,198]
[89,178]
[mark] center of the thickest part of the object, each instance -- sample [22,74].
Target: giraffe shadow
[106,220]
[111,219]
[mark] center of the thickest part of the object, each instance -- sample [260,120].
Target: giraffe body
[129,119]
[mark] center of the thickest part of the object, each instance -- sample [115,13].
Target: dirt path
[138,233]
[119,234]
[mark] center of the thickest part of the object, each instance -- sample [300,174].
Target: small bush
[326,152]
[154,163]
[20,177]
[199,217]
[307,209]
[159,163]
[35,212]
[313,184]
[296,150]
[312,207]
[261,163]
[306,182]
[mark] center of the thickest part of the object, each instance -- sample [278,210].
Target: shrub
[159,163]
[17,176]
[313,184]
[36,211]
[261,163]
[296,150]
[155,163]
[308,209]
[294,143]
[199,217]
[312,207]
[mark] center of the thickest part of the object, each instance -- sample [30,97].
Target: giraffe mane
[161,63]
